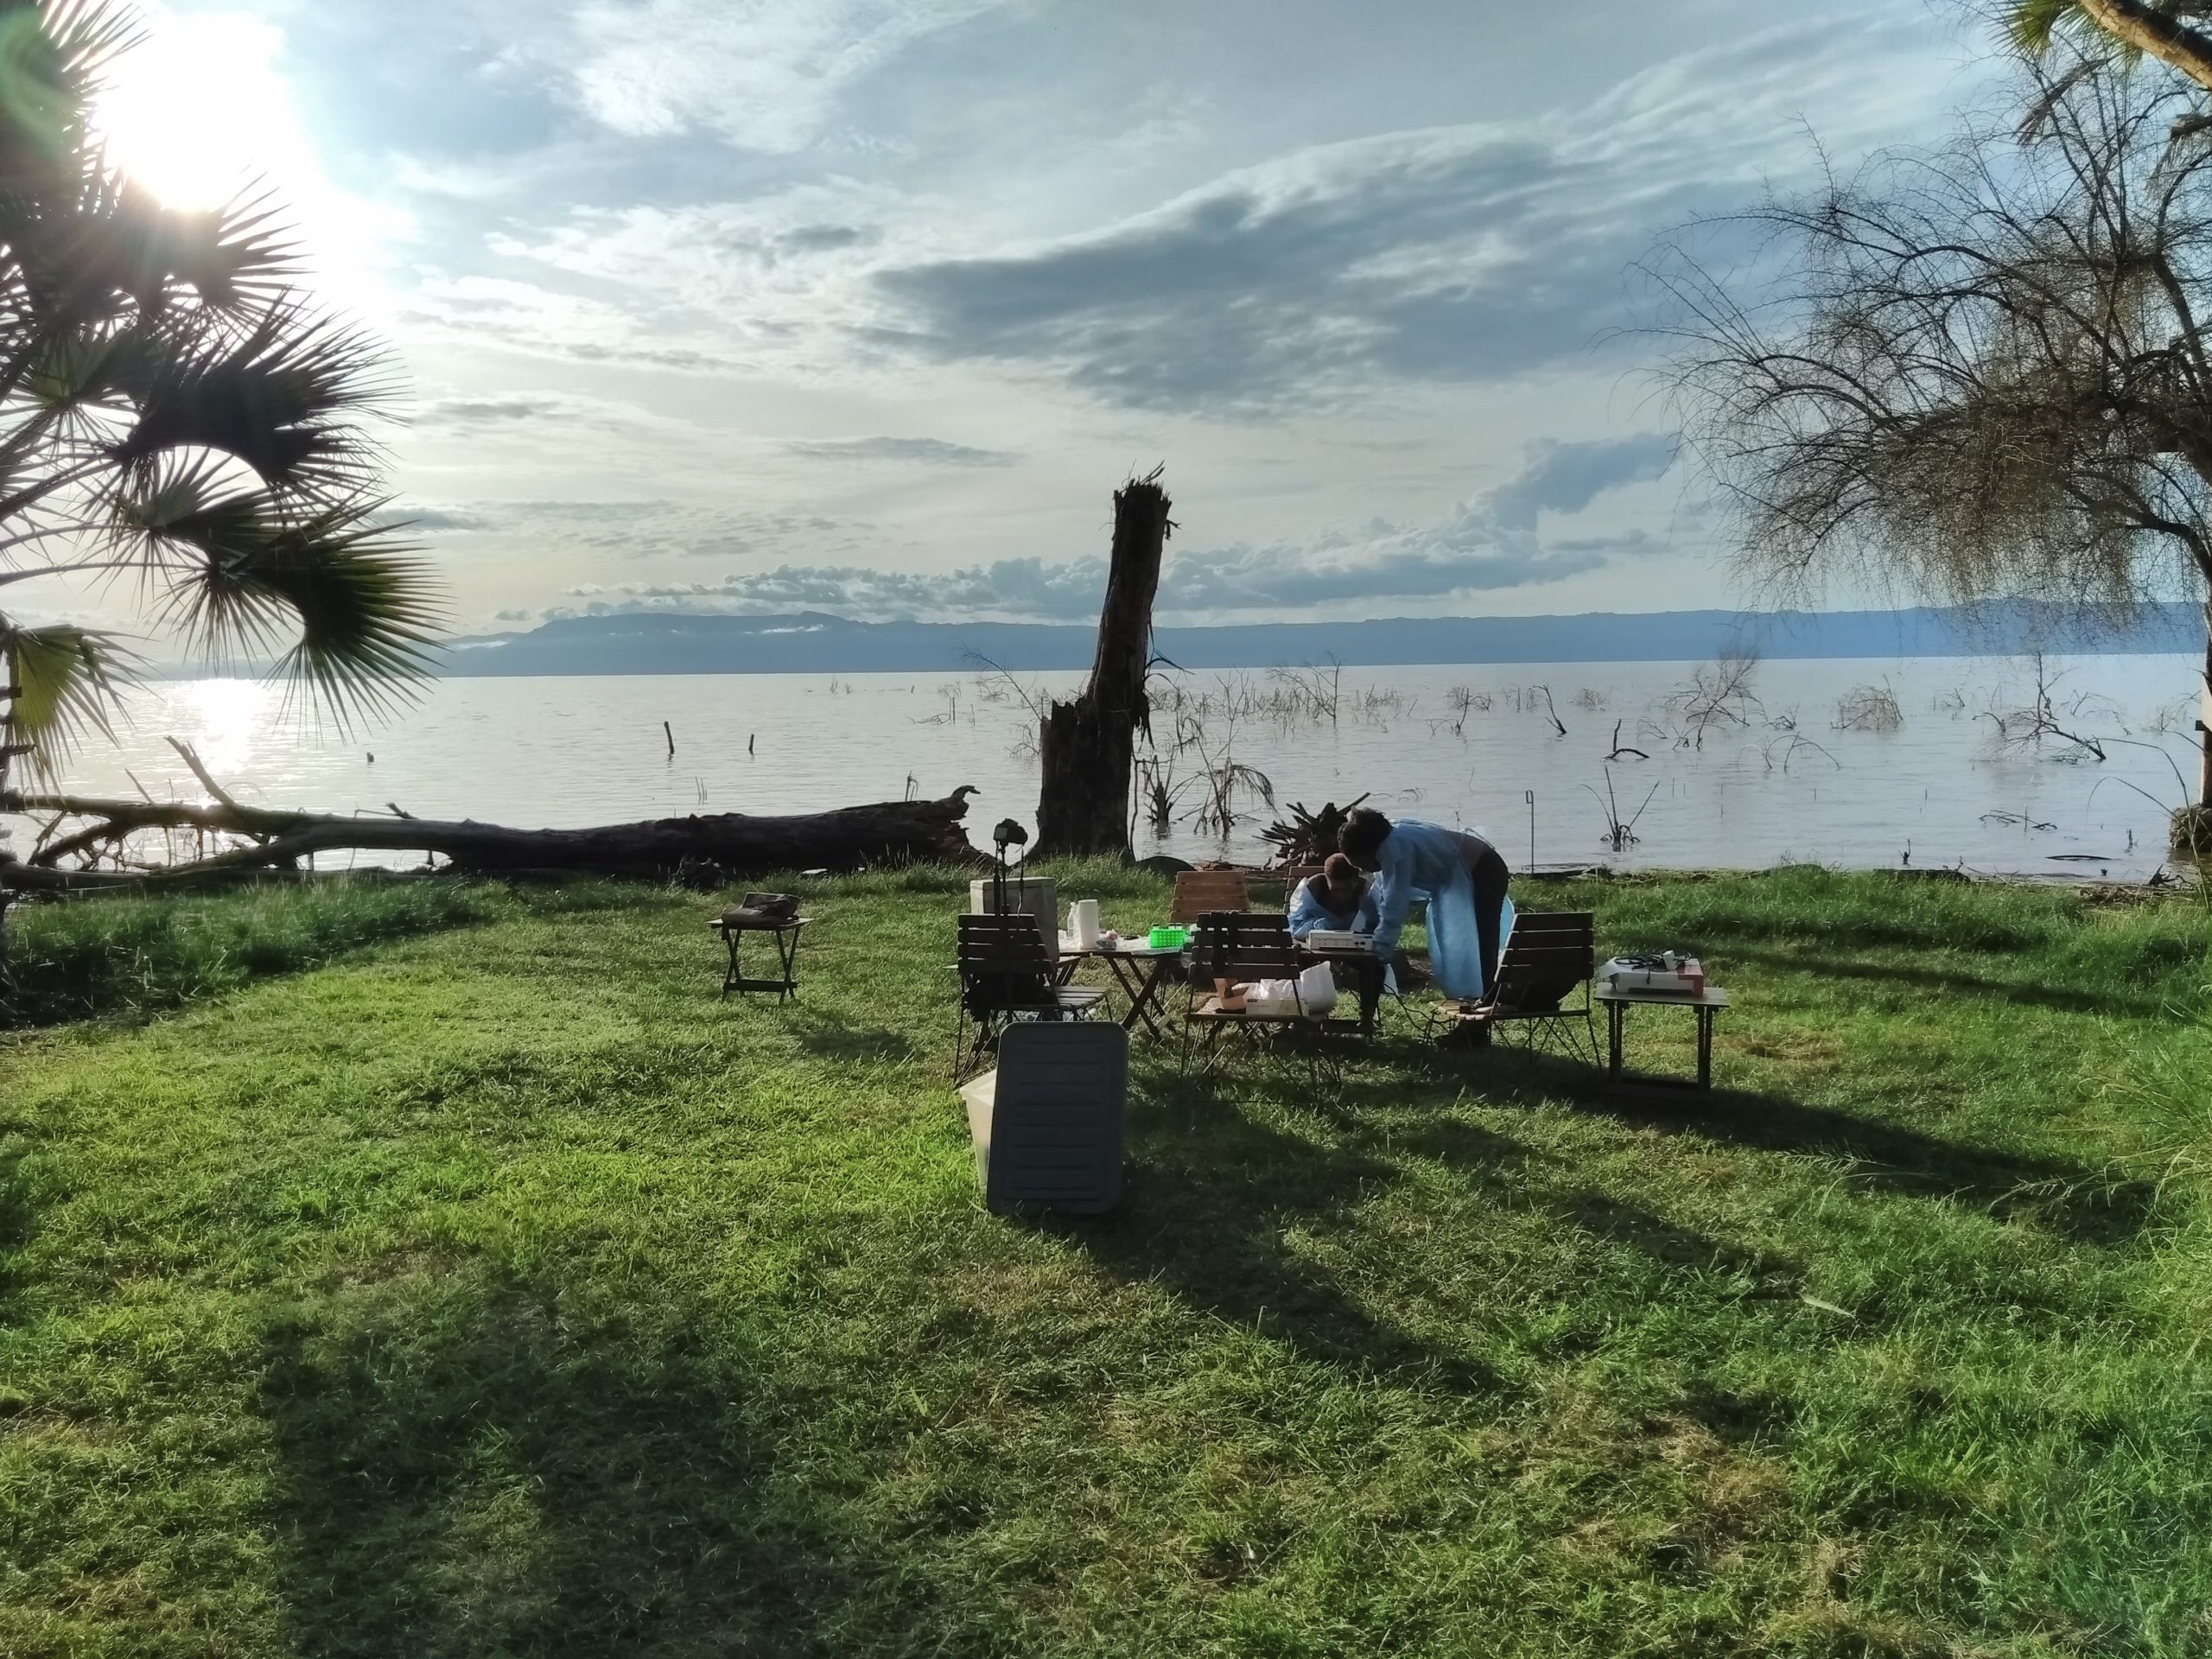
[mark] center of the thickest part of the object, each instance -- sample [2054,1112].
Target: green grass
[488,1288]
[131,956]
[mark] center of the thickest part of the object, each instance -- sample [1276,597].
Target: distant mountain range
[810,643]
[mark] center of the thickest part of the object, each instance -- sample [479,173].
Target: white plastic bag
[1317,990]
[1313,993]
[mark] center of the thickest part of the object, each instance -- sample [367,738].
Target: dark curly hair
[1362,835]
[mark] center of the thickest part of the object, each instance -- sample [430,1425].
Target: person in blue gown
[1339,898]
[1462,877]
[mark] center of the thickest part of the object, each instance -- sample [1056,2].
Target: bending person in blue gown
[1461,875]
[1339,898]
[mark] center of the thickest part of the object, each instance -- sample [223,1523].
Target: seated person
[1339,898]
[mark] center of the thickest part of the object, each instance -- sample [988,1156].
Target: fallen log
[735,844]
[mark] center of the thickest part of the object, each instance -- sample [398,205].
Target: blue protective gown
[1309,909]
[1425,861]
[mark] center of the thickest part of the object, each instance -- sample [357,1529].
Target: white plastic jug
[1083,923]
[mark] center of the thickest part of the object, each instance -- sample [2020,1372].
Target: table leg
[787,951]
[731,975]
[1142,981]
[1615,1014]
[1118,971]
[1705,1048]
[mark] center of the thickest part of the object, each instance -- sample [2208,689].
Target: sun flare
[199,112]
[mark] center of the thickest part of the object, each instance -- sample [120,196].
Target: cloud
[777,280]
[1460,255]
[515,412]
[1028,589]
[764,75]
[475,312]
[1465,254]
[431,520]
[1567,477]
[933,452]
[1485,544]
[646,528]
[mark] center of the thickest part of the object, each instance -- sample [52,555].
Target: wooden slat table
[1706,1004]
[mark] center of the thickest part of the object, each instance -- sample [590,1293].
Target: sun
[200,111]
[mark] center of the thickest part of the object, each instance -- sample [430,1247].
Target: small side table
[1706,1004]
[782,935]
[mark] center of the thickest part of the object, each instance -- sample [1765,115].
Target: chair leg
[1210,1047]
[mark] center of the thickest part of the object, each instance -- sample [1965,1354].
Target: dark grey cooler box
[1047,1123]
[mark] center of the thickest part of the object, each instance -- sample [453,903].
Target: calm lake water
[1782,774]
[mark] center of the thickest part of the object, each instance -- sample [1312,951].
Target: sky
[867,306]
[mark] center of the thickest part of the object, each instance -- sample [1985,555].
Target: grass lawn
[450,1274]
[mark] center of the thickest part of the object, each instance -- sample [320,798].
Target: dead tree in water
[1089,747]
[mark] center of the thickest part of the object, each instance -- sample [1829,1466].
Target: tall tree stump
[1089,747]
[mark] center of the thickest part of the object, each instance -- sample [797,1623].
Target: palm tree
[173,413]
[2158,28]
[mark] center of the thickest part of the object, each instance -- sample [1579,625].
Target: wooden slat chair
[1005,972]
[1548,958]
[1246,948]
[1047,1121]
[1201,892]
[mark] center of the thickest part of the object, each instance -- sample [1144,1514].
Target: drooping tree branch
[1979,371]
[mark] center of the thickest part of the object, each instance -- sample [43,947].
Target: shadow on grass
[2068,1198]
[1665,1242]
[830,1037]
[1845,925]
[2066,999]
[462,1475]
[1212,1198]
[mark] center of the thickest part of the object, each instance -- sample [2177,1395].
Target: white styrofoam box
[1034,894]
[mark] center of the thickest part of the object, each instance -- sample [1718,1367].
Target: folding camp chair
[1549,957]
[1047,1121]
[1200,892]
[1006,973]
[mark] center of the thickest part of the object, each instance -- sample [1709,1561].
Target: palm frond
[116,242]
[190,507]
[279,398]
[235,254]
[360,610]
[69,684]
[53,56]
[173,405]
[2034,24]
